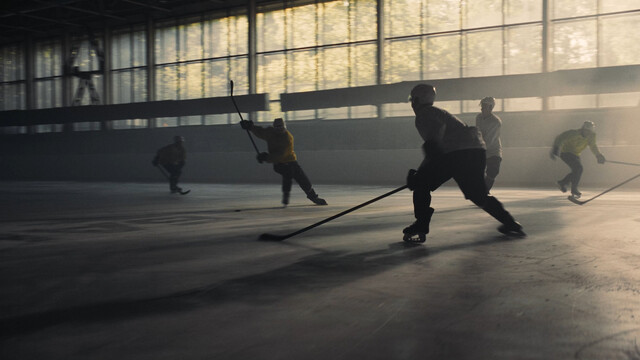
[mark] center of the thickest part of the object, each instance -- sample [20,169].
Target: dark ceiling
[20,19]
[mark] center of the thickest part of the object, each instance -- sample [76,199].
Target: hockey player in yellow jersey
[568,146]
[281,155]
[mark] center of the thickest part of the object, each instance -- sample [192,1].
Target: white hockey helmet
[423,94]
[589,125]
[489,100]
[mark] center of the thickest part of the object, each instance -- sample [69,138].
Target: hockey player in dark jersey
[452,150]
[172,157]
[281,155]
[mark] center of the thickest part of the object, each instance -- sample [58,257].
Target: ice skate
[318,200]
[562,186]
[416,232]
[514,229]
[285,199]
[575,193]
[180,191]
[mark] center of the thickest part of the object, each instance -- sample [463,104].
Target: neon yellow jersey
[572,141]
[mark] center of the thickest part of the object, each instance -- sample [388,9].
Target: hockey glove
[246,124]
[412,179]
[601,159]
[262,157]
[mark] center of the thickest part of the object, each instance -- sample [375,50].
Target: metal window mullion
[106,73]
[546,41]
[504,39]
[349,51]
[132,87]
[252,60]
[317,54]
[229,19]
[150,38]
[423,40]
[598,33]
[29,75]
[54,92]
[286,52]
[202,67]
[461,42]
[380,52]
[177,65]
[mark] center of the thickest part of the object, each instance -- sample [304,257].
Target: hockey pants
[292,171]
[493,169]
[573,161]
[467,168]
[174,170]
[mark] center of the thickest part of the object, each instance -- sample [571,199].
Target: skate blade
[519,234]
[415,239]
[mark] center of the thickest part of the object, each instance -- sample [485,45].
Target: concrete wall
[370,151]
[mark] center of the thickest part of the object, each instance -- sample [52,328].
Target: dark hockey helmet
[423,94]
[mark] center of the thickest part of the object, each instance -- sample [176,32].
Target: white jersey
[489,126]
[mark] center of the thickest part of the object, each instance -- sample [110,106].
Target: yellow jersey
[279,144]
[572,141]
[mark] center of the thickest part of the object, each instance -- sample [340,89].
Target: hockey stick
[272,237]
[238,109]
[579,202]
[622,163]
[169,178]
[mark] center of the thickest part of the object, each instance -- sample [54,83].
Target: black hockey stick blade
[579,202]
[273,237]
[576,201]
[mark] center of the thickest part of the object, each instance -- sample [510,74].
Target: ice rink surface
[129,271]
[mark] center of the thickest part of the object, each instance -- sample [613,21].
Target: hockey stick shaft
[238,110]
[622,163]
[576,201]
[283,237]
[163,172]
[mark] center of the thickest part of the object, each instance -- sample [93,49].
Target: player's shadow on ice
[325,270]
[315,273]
